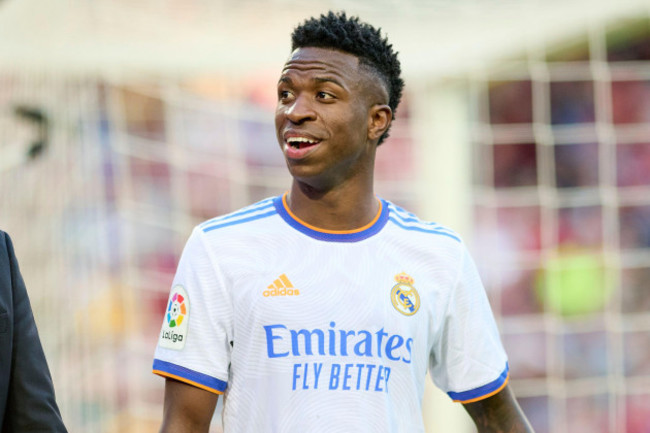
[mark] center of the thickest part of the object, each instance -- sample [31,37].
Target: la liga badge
[174,329]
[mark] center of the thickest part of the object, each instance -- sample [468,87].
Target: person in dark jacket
[27,402]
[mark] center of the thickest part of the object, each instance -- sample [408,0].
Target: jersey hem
[484,391]
[191,377]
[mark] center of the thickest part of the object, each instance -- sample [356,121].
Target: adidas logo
[281,287]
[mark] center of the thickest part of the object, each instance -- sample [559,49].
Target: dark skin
[325,95]
[499,413]
[330,115]
[187,409]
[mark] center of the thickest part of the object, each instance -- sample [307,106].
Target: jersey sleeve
[195,339]
[468,361]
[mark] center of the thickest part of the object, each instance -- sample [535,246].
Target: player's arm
[187,409]
[499,413]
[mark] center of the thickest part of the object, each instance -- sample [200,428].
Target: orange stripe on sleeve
[483,397]
[187,381]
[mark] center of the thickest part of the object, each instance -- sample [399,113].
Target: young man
[322,309]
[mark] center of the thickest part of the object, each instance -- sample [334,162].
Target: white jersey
[307,330]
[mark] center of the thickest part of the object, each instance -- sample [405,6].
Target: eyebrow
[287,80]
[329,80]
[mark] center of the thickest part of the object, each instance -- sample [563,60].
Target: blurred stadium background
[525,126]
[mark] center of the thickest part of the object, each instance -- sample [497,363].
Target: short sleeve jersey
[307,330]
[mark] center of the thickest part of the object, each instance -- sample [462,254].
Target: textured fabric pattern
[321,331]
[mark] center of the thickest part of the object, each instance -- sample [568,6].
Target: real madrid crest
[404,297]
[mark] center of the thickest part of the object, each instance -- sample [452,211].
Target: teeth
[301,140]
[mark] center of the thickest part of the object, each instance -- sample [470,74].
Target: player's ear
[379,119]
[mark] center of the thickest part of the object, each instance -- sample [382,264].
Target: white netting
[133,160]
[563,209]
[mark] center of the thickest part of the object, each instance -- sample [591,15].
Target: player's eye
[284,94]
[324,95]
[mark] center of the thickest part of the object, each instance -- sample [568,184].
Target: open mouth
[301,142]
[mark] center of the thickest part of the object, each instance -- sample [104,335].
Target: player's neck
[341,208]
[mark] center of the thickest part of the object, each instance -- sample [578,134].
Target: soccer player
[322,309]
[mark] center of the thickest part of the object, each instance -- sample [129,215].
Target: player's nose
[300,110]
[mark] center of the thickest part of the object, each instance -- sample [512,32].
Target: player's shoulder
[410,222]
[241,217]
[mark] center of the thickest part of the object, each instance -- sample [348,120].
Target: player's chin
[309,175]
[301,172]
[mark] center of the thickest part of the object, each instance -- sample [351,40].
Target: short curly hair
[348,34]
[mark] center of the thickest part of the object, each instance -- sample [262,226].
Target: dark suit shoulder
[5,243]
[7,266]
[27,401]
[7,255]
